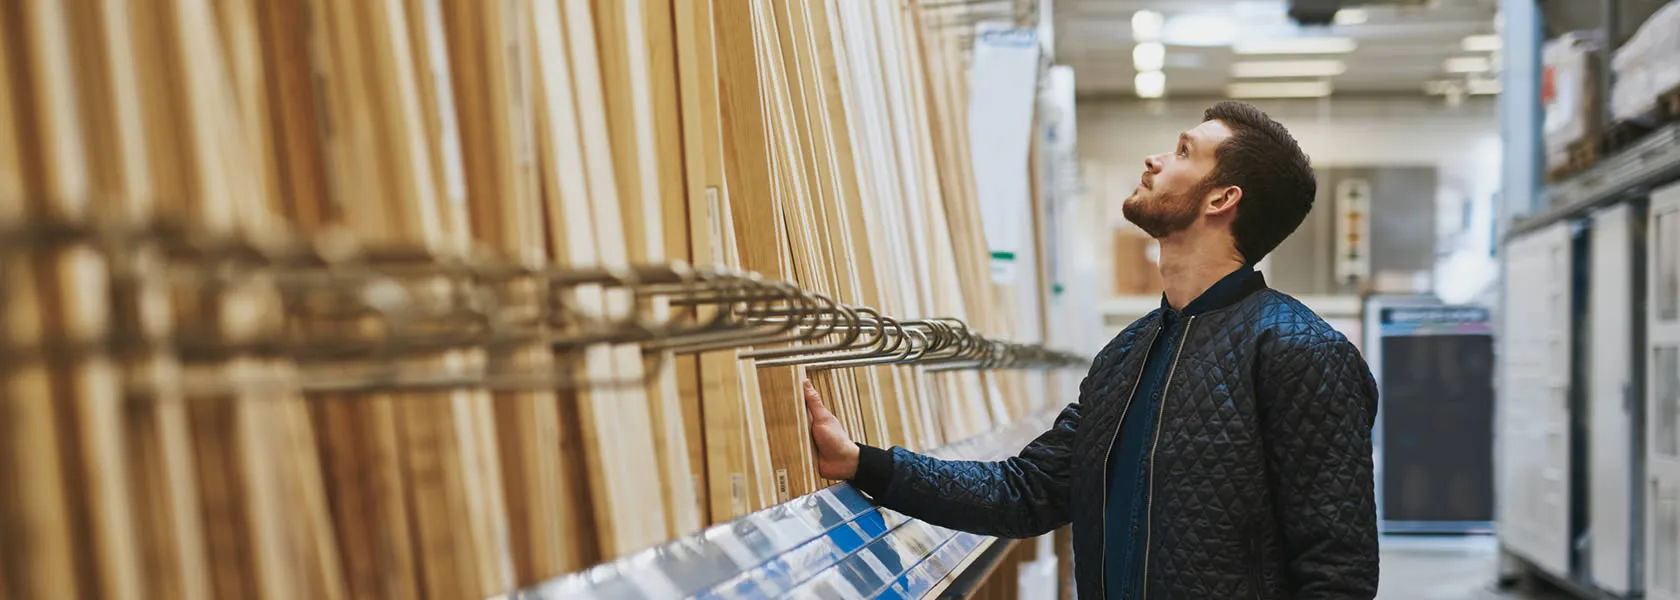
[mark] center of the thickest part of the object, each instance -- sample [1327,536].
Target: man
[1220,446]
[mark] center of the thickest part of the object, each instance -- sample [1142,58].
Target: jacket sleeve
[1019,497]
[1318,404]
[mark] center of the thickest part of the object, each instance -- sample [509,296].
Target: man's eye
[1183,150]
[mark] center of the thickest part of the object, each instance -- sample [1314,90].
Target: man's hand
[837,456]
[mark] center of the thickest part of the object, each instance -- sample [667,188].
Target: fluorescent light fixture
[1205,29]
[1150,84]
[1352,16]
[1282,89]
[1467,64]
[1483,43]
[1251,9]
[1149,56]
[1312,45]
[1288,68]
[1146,25]
[1485,87]
[1474,87]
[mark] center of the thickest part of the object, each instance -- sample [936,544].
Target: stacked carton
[1570,94]
[1647,67]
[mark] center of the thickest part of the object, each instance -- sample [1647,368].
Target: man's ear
[1223,199]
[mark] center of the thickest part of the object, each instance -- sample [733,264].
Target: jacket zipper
[1149,499]
[1103,558]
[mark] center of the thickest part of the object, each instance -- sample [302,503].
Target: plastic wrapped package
[1570,93]
[1648,65]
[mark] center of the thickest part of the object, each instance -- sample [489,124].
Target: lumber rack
[345,317]
[833,543]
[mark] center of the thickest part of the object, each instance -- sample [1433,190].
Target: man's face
[1170,194]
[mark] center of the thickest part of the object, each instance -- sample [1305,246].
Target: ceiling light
[1287,89]
[1474,87]
[1485,87]
[1150,84]
[1314,45]
[1250,9]
[1438,87]
[1483,43]
[1149,56]
[1205,29]
[1467,64]
[1288,68]
[1146,25]
[1352,16]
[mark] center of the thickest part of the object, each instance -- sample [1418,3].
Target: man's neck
[1189,268]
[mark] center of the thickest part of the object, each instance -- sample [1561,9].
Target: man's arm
[1019,497]
[1318,404]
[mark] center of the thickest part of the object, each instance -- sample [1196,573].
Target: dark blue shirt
[1129,461]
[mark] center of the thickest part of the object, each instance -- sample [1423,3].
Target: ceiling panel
[1399,48]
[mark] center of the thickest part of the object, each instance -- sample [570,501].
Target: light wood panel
[40,552]
[641,110]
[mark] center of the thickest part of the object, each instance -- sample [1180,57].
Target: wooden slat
[164,513]
[614,423]
[637,428]
[449,440]
[797,192]
[265,525]
[294,117]
[38,556]
[809,38]
[643,170]
[734,457]
[757,215]
[659,26]
[502,188]
[360,440]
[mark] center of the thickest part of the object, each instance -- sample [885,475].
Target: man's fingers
[814,404]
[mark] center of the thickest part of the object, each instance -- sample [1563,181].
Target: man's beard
[1164,215]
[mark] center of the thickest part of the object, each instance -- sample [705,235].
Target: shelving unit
[1582,501]
[1630,174]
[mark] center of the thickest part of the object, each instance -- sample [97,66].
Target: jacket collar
[1227,291]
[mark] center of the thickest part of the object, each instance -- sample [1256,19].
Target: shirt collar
[1224,292]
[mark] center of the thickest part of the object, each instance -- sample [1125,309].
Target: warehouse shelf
[833,543]
[1646,164]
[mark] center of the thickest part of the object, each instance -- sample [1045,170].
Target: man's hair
[1275,176]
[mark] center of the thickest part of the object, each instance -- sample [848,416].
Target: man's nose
[1152,162]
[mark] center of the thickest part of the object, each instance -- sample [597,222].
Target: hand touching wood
[837,456]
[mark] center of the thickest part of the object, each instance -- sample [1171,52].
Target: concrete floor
[1443,568]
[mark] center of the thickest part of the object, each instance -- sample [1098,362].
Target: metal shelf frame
[1632,173]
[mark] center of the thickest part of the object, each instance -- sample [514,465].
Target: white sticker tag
[738,494]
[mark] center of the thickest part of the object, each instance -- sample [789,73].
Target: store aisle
[1443,568]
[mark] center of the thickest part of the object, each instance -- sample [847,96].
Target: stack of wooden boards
[819,142]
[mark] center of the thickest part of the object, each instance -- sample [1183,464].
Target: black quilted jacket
[1263,485]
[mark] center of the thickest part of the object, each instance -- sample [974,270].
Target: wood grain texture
[164,512]
[747,54]
[819,142]
[75,304]
[497,129]
[728,386]
[38,553]
[639,113]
